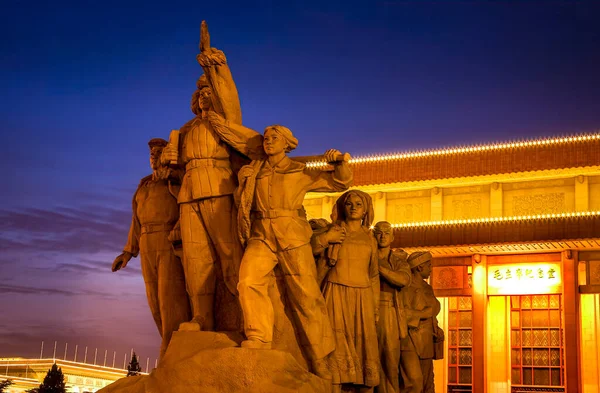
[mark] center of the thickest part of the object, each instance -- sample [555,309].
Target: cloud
[30,290]
[89,228]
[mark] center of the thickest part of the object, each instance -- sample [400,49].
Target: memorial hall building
[514,229]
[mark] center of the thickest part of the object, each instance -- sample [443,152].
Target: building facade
[515,233]
[79,377]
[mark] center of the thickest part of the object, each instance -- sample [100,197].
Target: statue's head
[277,139]
[420,262]
[354,205]
[156,146]
[202,97]
[383,233]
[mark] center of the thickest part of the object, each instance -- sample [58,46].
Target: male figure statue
[394,274]
[205,199]
[422,307]
[155,212]
[273,223]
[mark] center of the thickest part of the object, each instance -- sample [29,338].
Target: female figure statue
[351,292]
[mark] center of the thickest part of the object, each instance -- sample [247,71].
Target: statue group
[220,219]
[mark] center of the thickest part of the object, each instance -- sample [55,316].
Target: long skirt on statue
[352,315]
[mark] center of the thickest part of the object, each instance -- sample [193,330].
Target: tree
[54,382]
[4,385]
[134,367]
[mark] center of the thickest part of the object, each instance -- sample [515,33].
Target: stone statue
[394,274]
[421,307]
[155,212]
[351,291]
[207,214]
[273,225]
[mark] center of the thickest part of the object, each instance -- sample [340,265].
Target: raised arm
[243,139]
[226,100]
[340,179]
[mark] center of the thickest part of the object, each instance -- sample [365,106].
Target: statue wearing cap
[421,307]
[155,214]
[394,274]
[272,225]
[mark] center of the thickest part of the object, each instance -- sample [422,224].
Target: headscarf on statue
[338,216]
[244,194]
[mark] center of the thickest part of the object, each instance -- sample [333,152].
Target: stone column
[582,194]
[437,203]
[496,200]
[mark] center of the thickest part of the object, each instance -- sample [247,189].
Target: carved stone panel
[408,210]
[458,207]
[594,278]
[448,277]
[538,204]
[594,197]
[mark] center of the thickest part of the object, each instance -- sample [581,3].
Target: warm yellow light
[478,279]
[524,278]
[464,149]
[495,219]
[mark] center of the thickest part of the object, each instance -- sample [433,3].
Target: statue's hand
[121,261]
[211,57]
[336,234]
[333,155]
[246,171]
[169,154]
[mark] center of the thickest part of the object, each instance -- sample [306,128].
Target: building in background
[515,233]
[79,377]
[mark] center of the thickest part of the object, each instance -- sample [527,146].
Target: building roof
[518,156]
[547,228]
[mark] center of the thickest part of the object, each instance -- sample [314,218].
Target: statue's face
[384,236]
[354,208]
[274,143]
[204,99]
[426,270]
[155,152]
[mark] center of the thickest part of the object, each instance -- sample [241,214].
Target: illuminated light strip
[466,149]
[487,220]
[46,362]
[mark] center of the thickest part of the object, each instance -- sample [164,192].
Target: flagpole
[65,357]
[105,353]
[54,353]
[42,350]
[76,346]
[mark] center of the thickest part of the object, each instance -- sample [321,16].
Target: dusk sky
[86,83]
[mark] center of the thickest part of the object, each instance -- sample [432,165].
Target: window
[460,342]
[537,353]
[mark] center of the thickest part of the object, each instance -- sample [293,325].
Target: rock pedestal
[212,362]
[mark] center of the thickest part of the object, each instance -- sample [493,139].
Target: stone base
[213,362]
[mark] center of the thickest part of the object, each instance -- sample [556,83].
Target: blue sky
[85,84]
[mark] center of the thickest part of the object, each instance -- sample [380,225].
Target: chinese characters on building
[524,273]
[524,278]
